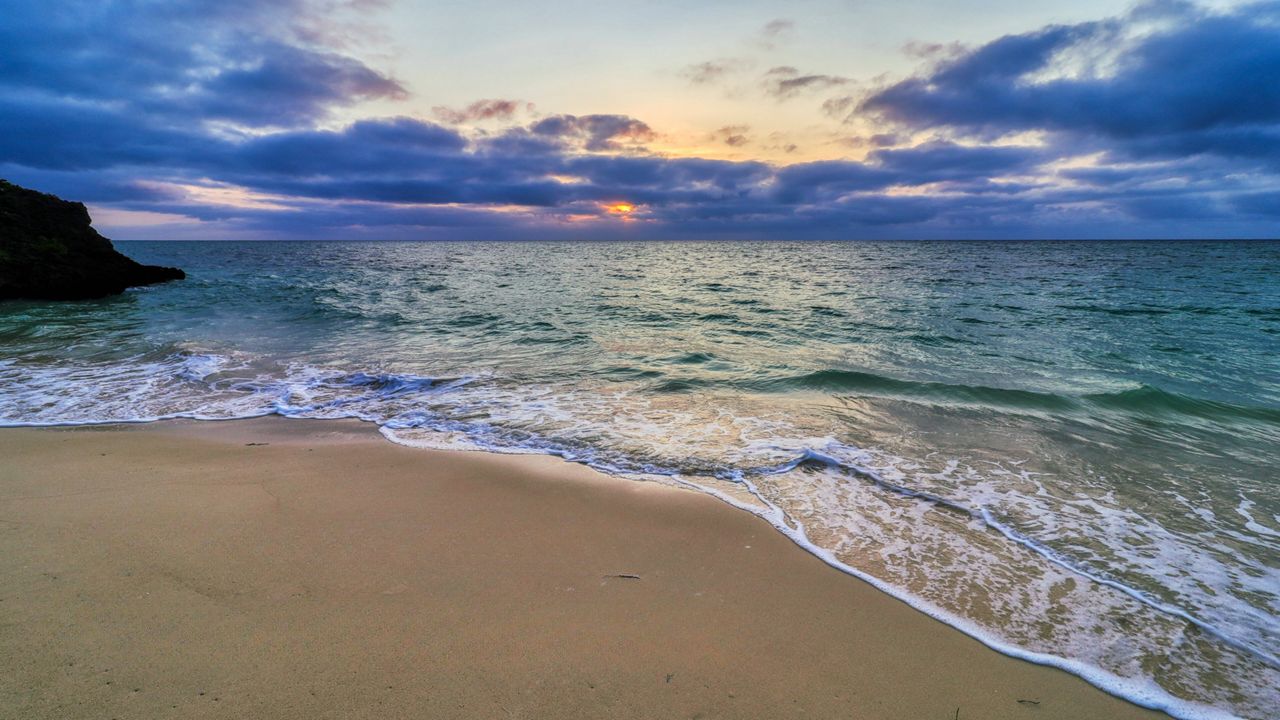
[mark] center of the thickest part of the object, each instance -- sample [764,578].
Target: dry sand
[173,571]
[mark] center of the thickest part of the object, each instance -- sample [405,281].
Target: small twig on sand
[255,444]
[1029,702]
[624,576]
[957,714]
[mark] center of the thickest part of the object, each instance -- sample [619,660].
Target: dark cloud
[832,181]
[827,180]
[942,161]
[595,132]
[281,85]
[1200,82]
[1178,207]
[1162,122]
[98,187]
[51,133]
[237,61]
[518,142]
[1264,204]
[1202,172]
[366,147]
[715,177]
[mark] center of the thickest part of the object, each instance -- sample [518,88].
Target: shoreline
[317,570]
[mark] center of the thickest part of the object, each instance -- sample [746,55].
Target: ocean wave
[1150,400]
[852,381]
[1142,399]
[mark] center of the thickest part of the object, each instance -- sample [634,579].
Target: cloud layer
[221,118]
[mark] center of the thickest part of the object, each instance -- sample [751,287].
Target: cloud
[282,85]
[780,142]
[778,27]
[1196,82]
[1263,204]
[827,181]
[713,72]
[718,71]
[840,107]
[43,132]
[481,110]
[732,135]
[775,32]
[596,132]
[940,161]
[931,50]
[1162,122]
[878,140]
[783,82]
[238,62]
[366,147]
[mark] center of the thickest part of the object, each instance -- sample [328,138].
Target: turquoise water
[1069,450]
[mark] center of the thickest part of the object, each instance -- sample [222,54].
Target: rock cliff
[49,251]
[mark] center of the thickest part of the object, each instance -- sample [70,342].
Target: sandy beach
[311,569]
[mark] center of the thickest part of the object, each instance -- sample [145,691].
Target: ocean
[1068,450]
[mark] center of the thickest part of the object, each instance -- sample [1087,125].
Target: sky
[493,119]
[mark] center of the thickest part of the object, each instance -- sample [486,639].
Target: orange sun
[620,208]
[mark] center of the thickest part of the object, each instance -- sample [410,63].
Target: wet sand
[311,569]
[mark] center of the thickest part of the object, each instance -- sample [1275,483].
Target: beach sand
[174,570]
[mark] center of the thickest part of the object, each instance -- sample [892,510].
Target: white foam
[1140,692]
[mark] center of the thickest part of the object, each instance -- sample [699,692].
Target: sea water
[1070,451]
